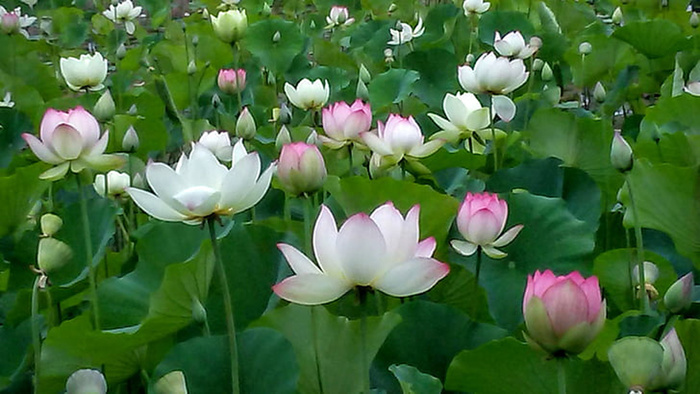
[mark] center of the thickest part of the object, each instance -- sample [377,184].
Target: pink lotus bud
[563,314]
[343,123]
[301,168]
[481,220]
[9,23]
[232,81]
[680,295]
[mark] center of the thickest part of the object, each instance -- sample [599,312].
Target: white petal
[55,173]
[311,289]
[325,237]
[199,200]
[426,149]
[478,119]
[376,144]
[361,249]
[465,248]
[426,247]
[298,261]
[508,236]
[164,181]
[154,206]
[40,150]
[412,277]
[504,107]
[493,252]
[67,142]
[239,180]
[442,123]
[256,193]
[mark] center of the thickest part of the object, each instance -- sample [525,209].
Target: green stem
[36,332]
[630,265]
[561,375]
[350,158]
[228,307]
[308,212]
[88,254]
[644,300]
[493,140]
[363,339]
[317,352]
[478,268]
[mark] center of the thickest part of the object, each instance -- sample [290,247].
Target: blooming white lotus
[125,13]
[200,186]
[381,251]
[339,16]
[308,95]
[400,137]
[86,72]
[230,25]
[71,140]
[493,75]
[513,44]
[219,143]
[14,22]
[113,184]
[465,115]
[406,33]
[475,7]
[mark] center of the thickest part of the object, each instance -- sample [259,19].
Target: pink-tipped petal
[40,150]
[426,247]
[298,261]
[311,289]
[154,206]
[412,277]
[361,248]
[566,306]
[325,236]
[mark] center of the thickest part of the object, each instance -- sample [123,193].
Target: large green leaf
[432,85]
[329,349]
[414,381]
[18,193]
[688,334]
[654,38]
[391,87]
[277,56]
[667,200]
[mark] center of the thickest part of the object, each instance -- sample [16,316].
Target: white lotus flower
[475,7]
[339,16]
[7,101]
[124,12]
[86,72]
[308,95]
[406,33]
[493,75]
[219,143]
[200,186]
[513,44]
[381,251]
[464,116]
[115,183]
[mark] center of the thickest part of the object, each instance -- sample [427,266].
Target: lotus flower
[621,155]
[674,364]
[339,16]
[125,13]
[406,33]
[219,143]
[513,44]
[84,381]
[230,25]
[562,313]
[481,220]
[14,22]
[86,72]
[475,7]
[200,186]
[493,75]
[381,251]
[301,168]
[231,81]
[398,138]
[308,95]
[464,116]
[114,184]
[71,140]
[343,123]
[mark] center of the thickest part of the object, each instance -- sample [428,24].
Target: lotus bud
[680,295]
[133,110]
[469,59]
[216,101]
[537,64]
[130,142]
[651,274]
[205,14]
[199,313]
[191,68]
[232,81]
[230,25]
[195,40]
[535,42]
[364,74]
[673,366]
[388,55]
[585,48]
[283,138]
[392,7]
[266,10]
[312,25]
[617,16]
[121,51]
[139,181]
[9,22]
[547,73]
[694,20]
[171,383]
[361,91]
[53,254]
[245,125]
[621,154]
[312,139]
[86,381]
[114,184]
[636,361]
[301,169]
[50,224]
[104,108]
[599,92]
[276,37]
[285,115]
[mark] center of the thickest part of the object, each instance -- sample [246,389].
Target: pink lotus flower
[343,123]
[398,138]
[301,168]
[232,81]
[71,140]
[562,313]
[481,219]
[380,250]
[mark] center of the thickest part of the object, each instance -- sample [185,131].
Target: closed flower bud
[547,73]
[133,110]
[139,181]
[312,139]
[232,81]
[245,125]
[86,381]
[130,142]
[283,138]
[599,92]
[680,295]
[364,74]
[195,40]
[617,16]
[266,10]
[171,383]
[636,361]
[537,64]
[53,254]
[301,169]
[121,51]
[585,48]
[673,366]
[694,20]
[199,313]
[50,224]
[469,59]
[621,154]
[191,68]
[114,184]
[651,273]
[230,25]
[276,37]
[361,92]
[104,108]
[285,115]
[216,101]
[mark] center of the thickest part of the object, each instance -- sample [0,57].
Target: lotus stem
[88,254]
[493,139]
[644,300]
[308,209]
[228,307]
[478,268]
[561,374]
[363,340]
[314,337]
[350,158]
[36,332]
